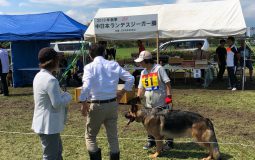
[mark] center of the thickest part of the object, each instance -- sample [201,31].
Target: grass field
[125,53]
[231,112]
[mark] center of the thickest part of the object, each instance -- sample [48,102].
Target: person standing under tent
[247,56]
[79,70]
[63,64]
[141,46]
[155,86]
[4,69]
[100,81]
[221,54]
[200,54]
[232,62]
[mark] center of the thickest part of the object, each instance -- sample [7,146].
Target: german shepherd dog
[174,124]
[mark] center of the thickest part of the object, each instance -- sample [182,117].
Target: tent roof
[203,19]
[54,25]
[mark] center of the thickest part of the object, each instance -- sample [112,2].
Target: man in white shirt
[4,61]
[100,81]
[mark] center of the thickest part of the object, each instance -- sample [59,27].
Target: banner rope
[136,139]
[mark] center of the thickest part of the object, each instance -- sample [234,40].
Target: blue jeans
[4,84]
[52,146]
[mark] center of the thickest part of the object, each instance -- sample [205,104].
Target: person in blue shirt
[247,55]
[79,70]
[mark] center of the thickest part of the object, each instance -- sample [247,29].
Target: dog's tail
[214,145]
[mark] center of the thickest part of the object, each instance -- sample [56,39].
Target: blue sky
[84,10]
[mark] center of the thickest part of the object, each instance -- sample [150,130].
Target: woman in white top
[50,105]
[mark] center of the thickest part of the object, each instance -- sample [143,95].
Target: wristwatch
[169,96]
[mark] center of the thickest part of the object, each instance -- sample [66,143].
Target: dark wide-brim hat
[46,54]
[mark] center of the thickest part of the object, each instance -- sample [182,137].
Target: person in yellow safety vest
[155,86]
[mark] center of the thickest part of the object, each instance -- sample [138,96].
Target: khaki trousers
[107,114]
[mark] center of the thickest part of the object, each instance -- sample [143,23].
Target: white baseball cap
[143,55]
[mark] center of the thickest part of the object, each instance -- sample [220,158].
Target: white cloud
[24,4]
[4,3]
[248,8]
[19,13]
[78,16]
[148,3]
[190,1]
[76,3]
[128,0]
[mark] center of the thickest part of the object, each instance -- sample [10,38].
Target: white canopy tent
[203,19]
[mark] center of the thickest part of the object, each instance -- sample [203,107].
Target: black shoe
[149,144]
[169,144]
[95,155]
[115,156]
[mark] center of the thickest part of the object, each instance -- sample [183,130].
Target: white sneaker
[234,89]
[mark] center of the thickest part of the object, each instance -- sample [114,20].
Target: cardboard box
[175,61]
[126,97]
[177,75]
[77,93]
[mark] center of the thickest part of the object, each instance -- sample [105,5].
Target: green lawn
[231,112]
[125,53]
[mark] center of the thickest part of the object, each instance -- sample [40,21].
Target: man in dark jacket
[221,53]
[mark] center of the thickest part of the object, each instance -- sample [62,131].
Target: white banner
[126,24]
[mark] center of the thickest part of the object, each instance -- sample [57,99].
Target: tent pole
[83,56]
[95,39]
[157,41]
[244,65]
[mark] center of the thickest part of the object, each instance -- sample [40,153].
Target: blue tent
[46,26]
[29,33]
